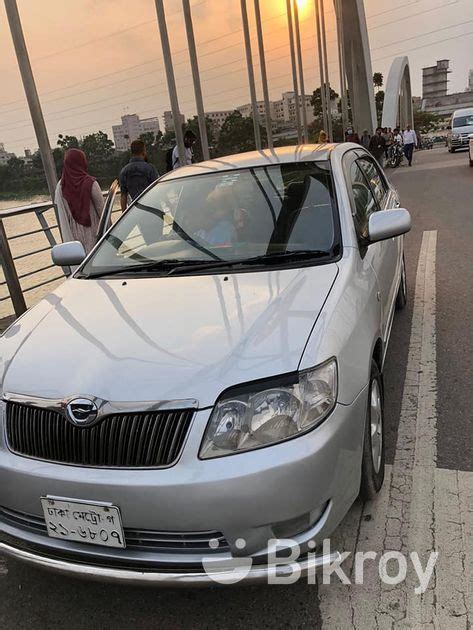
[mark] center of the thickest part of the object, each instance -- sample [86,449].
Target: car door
[364,203]
[386,256]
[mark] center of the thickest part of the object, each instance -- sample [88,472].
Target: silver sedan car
[209,380]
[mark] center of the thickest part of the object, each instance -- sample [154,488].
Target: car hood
[156,339]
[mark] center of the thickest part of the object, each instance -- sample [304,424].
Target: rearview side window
[364,202]
[376,181]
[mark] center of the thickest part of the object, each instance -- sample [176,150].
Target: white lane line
[385,523]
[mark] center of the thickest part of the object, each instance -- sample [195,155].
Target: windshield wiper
[263,259]
[177,266]
[155,265]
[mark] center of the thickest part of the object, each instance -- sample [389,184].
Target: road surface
[427,500]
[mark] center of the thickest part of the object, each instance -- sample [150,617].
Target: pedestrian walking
[365,139]
[137,175]
[378,145]
[410,141]
[79,201]
[189,139]
[323,137]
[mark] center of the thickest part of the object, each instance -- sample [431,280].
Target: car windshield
[463,121]
[229,218]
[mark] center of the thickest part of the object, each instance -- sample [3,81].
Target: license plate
[82,521]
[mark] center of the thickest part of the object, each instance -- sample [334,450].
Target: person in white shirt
[189,139]
[410,141]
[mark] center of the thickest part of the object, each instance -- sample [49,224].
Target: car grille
[140,540]
[138,440]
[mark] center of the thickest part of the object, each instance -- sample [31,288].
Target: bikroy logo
[287,568]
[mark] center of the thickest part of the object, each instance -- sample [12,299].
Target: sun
[302,5]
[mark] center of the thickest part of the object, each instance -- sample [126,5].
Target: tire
[372,467]
[401,297]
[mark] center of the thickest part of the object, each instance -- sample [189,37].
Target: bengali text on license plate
[92,523]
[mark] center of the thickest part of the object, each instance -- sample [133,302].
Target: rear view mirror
[68,254]
[388,224]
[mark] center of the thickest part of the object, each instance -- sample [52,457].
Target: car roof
[252,159]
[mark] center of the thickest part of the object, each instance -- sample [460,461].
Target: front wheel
[372,468]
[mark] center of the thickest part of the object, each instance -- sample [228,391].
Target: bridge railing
[27,235]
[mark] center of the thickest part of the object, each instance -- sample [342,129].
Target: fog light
[295,526]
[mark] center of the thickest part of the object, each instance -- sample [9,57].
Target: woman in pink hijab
[79,201]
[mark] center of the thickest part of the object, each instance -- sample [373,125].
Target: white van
[460,129]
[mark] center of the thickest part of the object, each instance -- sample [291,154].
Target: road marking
[416,505]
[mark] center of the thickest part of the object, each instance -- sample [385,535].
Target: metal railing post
[176,114]
[251,74]
[264,77]
[11,276]
[321,66]
[328,100]
[31,95]
[295,87]
[301,72]
[196,79]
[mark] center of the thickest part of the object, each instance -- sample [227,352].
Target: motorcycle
[395,155]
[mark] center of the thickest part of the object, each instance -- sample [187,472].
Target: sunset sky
[95,60]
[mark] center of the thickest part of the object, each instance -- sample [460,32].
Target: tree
[237,134]
[67,142]
[378,80]
[316,100]
[379,98]
[425,121]
[97,147]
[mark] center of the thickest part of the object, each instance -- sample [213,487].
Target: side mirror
[68,254]
[388,224]
[449,127]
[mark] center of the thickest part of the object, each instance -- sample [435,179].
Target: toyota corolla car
[209,380]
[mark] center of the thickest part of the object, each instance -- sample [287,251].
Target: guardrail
[35,216]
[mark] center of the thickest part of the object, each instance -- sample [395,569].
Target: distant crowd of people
[383,142]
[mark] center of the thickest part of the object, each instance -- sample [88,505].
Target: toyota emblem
[82,411]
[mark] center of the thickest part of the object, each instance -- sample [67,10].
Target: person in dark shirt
[137,175]
[378,145]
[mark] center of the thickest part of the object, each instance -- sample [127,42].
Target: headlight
[455,135]
[267,412]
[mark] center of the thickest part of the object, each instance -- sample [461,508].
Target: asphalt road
[438,192]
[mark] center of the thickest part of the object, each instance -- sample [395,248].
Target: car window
[375,179]
[230,216]
[364,202]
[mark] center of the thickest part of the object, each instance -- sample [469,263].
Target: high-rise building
[218,118]
[435,79]
[4,155]
[131,129]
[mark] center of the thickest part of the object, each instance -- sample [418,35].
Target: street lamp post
[301,71]
[294,71]
[176,114]
[251,74]
[264,78]
[31,95]
[196,79]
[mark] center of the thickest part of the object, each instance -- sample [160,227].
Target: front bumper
[255,574]
[459,143]
[246,496]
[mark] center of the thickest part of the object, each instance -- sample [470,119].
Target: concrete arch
[357,58]
[397,109]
